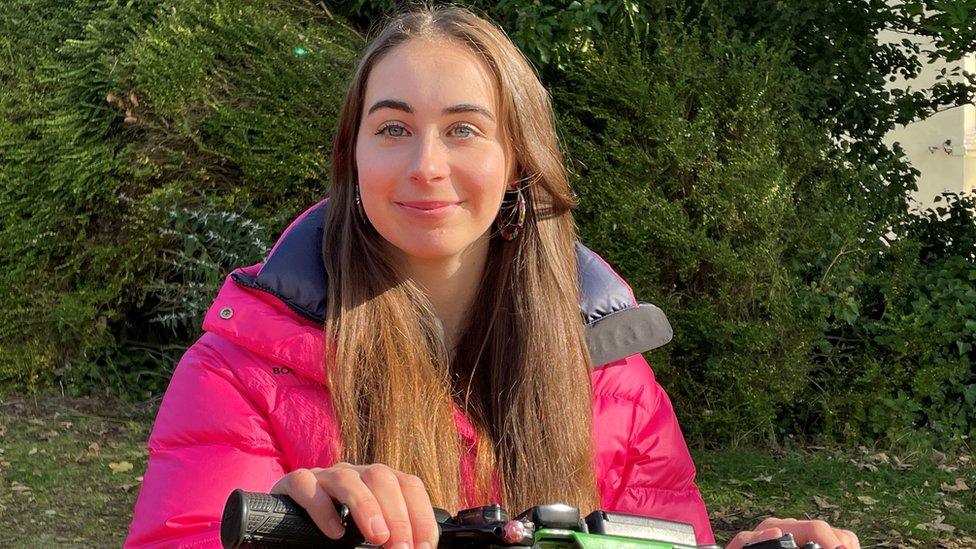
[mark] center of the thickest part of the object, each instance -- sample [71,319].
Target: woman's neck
[451,285]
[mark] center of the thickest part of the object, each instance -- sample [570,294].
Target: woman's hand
[390,508]
[803,531]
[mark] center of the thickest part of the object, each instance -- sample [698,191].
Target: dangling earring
[359,204]
[511,216]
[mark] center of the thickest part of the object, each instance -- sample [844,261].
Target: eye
[393,130]
[463,131]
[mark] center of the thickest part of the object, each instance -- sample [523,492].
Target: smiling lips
[428,205]
[429,209]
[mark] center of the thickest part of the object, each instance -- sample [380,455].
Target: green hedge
[686,175]
[127,127]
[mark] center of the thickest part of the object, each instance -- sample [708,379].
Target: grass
[70,470]
[63,477]
[889,501]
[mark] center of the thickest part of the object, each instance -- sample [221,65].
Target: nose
[430,163]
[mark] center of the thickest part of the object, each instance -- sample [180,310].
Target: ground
[70,470]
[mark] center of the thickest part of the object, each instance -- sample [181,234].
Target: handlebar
[257,520]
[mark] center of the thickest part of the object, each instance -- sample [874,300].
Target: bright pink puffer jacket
[248,401]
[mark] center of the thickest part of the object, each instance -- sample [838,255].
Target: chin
[431,245]
[418,249]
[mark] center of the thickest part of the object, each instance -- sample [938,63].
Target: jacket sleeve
[208,439]
[658,475]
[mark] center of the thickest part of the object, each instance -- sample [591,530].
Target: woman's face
[431,159]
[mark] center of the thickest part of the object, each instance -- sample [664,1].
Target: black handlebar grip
[257,520]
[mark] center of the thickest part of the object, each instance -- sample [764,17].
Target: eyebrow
[453,109]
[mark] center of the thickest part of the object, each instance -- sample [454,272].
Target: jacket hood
[277,308]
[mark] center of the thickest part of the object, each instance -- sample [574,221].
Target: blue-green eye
[393,130]
[469,131]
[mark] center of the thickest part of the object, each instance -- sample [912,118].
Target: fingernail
[335,529]
[378,526]
[401,545]
[423,545]
[767,535]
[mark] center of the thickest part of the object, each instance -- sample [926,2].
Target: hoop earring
[511,216]
[359,204]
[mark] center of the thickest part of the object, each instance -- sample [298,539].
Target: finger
[848,539]
[303,487]
[420,510]
[817,531]
[774,522]
[749,537]
[739,540]
[281,486]
[383,483]
[345,486]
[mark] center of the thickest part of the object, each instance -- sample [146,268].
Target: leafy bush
[900,366]
[202,242]
[686,176]
[109,106]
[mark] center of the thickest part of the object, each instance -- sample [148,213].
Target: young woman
[416,340]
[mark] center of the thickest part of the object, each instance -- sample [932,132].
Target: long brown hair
[521,367]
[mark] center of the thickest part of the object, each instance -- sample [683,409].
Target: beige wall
[923,141]
[969,142]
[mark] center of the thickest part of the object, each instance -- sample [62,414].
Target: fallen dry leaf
[936,525]
[865,465]
[879,457]
[959,486]
[120,467]
[823,504]
[867,500]
[900,465]
[952,504]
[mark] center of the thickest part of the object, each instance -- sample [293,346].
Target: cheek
[488,174]
[375,170]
